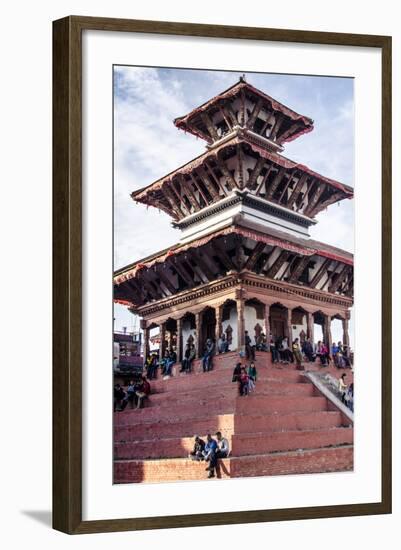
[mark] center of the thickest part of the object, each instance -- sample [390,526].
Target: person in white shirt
[222,451]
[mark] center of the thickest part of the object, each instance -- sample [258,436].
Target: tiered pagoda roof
[244,105]
[276,256]
[260,204]
[242,162]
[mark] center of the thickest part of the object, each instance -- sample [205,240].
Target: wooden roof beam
[254,256]
[256,172]
[255,111]
[274,269]
[319,273]
[297,190]
[279,176]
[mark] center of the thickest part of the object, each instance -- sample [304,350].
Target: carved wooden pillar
[179,340]
[346,334]
[162,340]
[289,327]
[327,332]
[145,342]
[267,322]
[198,329]
[240,323]
[310,329]
[218,311]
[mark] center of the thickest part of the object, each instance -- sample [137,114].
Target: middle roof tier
[242,162]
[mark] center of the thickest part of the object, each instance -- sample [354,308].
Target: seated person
[296,350]
[120,398]
[222,451]
[142,392]
[322,353]
[131,395]
[222,344]
[207,355]
[208,452]
[261,342]
[307,349]
[151,366]
[167,363]
[236,372]
[285,352]
[189,356]
[243,382]
[199,447]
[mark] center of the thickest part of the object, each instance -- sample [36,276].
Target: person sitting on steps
[207,355]
[189,356]
[222,451]
[222,344]
[199,447]
[296,350]
[209,450]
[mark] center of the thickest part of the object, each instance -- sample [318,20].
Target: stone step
[217,377]
[210,409]
[241,444]
[333,459]
[265,387]
[227,424]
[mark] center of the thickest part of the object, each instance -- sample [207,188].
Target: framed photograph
[222,275]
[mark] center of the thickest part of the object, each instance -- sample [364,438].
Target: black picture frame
[67,273]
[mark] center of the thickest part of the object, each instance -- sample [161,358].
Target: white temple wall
[232,321]
[251,320]
[187,332]
[299,328]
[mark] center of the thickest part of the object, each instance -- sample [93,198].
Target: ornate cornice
[245,279]
[247,199]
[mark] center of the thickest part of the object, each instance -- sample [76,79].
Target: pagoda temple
[244,259]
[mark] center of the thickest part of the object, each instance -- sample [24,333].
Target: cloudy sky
[147,146]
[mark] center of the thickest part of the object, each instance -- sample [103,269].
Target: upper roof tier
[245,106]
[242,163]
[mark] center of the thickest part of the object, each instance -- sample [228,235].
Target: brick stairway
[284,427]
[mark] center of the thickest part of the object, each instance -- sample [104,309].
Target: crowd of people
[281,349]
[210,451]
[135,394]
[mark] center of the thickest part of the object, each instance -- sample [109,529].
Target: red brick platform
[284,427]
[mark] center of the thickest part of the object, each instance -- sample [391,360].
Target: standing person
[297,352]
[252,373]
[342,386]
[222,451]
[222,344]
[189,356]
[349,397]
[274,351]
[209,450]
[199,447]
[207,355]
[237,372]
[142,392]
[249,347]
